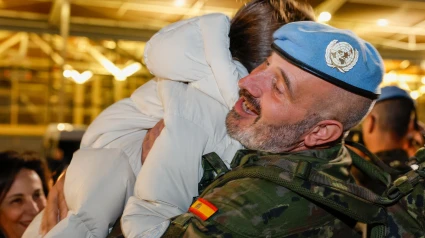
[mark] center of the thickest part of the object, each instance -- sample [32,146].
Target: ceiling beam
[152,7]
[10,42]
[77,29]
[393,53]
[196,8]
[390,29]
[122,10]
[22,130]
[55,12]
[393,3]
[40,64]
[120,51]
[396,44]
[419,25]
[47,49]
[22,15]
[373,28]
[23,47]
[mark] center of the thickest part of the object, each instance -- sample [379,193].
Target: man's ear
[369,124]
[324,132]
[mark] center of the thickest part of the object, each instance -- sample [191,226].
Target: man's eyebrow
[287,81]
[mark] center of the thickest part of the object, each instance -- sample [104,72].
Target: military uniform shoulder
[258,208]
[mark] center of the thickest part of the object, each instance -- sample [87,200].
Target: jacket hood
[197,51]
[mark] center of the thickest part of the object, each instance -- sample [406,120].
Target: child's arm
[194,125]
[169,178]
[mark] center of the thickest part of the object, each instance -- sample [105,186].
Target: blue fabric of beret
[337,56]
[393,92]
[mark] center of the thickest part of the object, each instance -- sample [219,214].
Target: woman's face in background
[24,200]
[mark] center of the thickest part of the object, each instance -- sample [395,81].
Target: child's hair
[252,28]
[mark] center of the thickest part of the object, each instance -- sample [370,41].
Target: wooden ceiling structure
[124,26]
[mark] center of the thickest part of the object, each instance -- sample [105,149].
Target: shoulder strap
[213,167]
[405,184]
[370,169]
[401,186]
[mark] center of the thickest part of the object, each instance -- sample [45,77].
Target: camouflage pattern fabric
[213,167]
[259,207]
[250,207]
[406,218]
[394,162]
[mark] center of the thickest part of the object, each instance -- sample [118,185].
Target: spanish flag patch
[203,209]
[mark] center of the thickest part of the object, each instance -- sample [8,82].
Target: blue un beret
[393,92]
[337,56]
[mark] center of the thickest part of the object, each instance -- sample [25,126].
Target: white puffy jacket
[195,86]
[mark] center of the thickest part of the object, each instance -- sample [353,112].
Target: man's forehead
[294,72]
[278,61]
[284,65]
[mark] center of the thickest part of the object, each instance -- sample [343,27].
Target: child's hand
[150,139]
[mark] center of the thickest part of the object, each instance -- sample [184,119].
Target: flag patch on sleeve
[203,209]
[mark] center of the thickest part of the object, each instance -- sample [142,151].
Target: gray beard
[269,138]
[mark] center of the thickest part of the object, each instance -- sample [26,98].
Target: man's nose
[254,84]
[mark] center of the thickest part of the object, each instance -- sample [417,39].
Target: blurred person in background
[24,184]
[416,137]
[209,54]
[389,131]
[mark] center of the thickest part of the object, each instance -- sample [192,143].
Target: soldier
[387,130]
[318,83]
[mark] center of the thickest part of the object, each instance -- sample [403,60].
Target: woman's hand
[56,208]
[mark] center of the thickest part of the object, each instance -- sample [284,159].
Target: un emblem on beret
[341,55]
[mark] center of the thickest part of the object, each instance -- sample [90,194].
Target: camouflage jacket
[395,162]
[252,207]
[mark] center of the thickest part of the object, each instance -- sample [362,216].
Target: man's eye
[276,87]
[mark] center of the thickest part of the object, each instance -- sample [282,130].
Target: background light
[404,64]
[61,127]
[65,127]
[324,17]
[414,94]
[382,22]
[128,71]
[83,77]
[179,3]
[67,73]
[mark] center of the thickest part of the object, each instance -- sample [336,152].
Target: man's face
[275,108]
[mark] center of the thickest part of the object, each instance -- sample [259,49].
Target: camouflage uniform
[250,207]
[394,162]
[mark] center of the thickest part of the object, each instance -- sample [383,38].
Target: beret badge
[341,55]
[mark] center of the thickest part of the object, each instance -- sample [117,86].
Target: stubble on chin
[264,137]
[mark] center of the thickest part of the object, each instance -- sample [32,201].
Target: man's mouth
[249,108]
